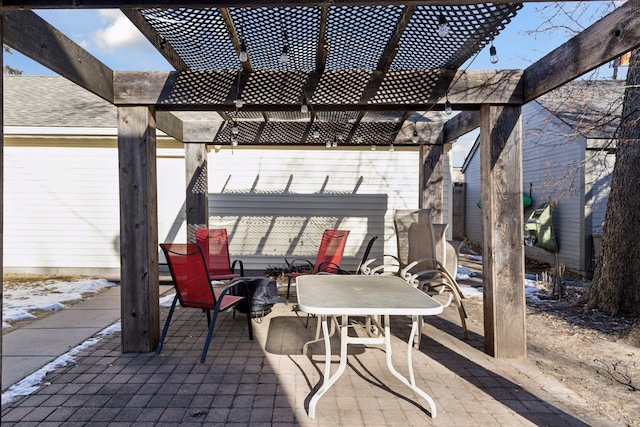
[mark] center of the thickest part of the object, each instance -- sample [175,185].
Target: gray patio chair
[426,259]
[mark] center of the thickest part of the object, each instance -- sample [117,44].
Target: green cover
[539,229]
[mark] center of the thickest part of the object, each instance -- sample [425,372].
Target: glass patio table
[330,296]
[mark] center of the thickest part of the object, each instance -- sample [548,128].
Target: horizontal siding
[552,172]
[473,215]
[62,206]
[62,202]
[277,207]
[599,183]
[553,163]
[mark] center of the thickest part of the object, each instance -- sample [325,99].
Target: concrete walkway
[268,381]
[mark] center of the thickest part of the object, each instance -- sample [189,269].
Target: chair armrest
[296,265]
[240,264]
[330,268]
[227,290]
[383,264]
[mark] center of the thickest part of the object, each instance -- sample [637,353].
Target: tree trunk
[616,284]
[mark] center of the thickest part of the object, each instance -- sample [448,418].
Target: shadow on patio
[269,382]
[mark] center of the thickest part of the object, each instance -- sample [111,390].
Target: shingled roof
[38,101]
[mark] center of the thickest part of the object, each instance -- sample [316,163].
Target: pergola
[368,72]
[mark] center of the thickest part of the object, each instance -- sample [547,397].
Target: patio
[269,382]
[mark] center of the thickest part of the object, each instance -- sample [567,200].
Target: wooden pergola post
[1,179]
[197,195]
[502,231]
[140,310]
[431,178]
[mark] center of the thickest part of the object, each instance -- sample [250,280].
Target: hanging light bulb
[243,56]
[234,128]
[305,108]
[238,101]
[328,144]
[443,26]
[234,140]
[316,132]
[414,138]
[373,147]
[391,149]
[447,108]
[493,54]
[335,142]
[284,55]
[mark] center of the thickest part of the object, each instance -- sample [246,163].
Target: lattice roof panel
[357,35]
[372,56]
[471,28]
[199,36]
[267,30]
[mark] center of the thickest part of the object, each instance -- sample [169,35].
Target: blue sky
[109,36]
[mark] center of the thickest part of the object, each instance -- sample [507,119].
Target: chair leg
[166,325]
[462,312]
[286,301]
[209,335]
[250,325]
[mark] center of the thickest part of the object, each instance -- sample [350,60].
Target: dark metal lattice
[202,87]
[267,30]
[199,36]
[269,87]
[404,85]
[369,133]
[376,54]
[344,87]
[471,28]
[357,35]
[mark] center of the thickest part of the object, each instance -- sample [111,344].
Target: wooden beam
[607,39]
[201,131]
[140,311]
[459,125]
[162,46]
[107,4]
[323,47]
[186,90]
[197,191]
[429,133]
[391,48]
[235,38]
[502,231]
[168,123]
[2,168]
[431,177]
[32,36]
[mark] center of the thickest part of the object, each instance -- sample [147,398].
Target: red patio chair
[215,245]
[327,261]
[193,288]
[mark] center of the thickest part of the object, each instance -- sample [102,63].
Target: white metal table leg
[328,379]
[412,382]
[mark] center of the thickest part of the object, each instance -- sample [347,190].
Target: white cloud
[461,147]
[119,33]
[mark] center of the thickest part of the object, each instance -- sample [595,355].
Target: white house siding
[598,181]
[473,218]
[61,210]
[61,206]
[276,203]
[447,200]
[553,171]
[553,163]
